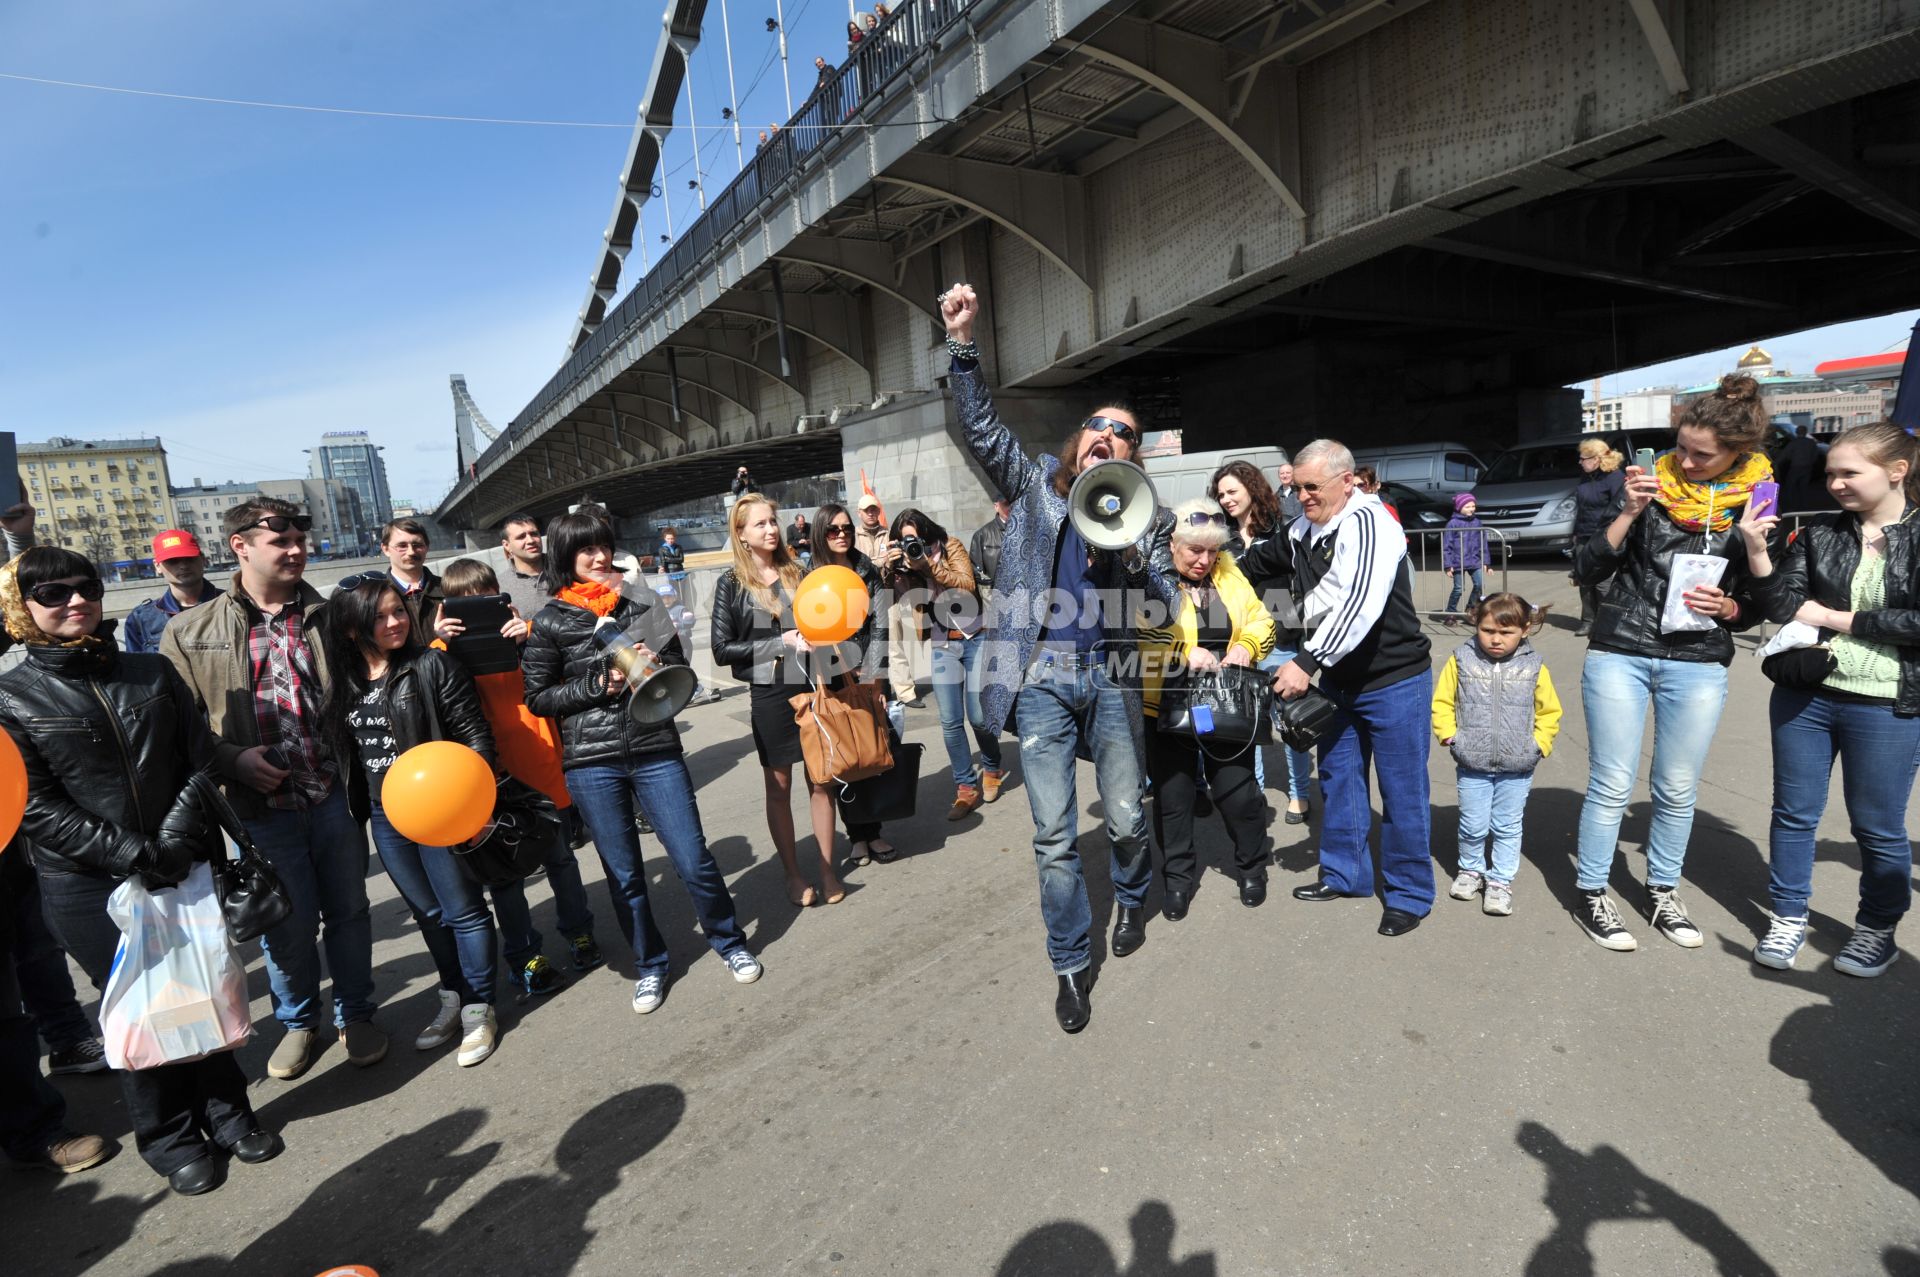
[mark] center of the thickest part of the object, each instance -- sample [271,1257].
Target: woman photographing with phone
[1854,576]
[1664,642]
[393,694]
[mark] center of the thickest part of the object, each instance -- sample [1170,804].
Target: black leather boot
[1129,930]
[1074,1007]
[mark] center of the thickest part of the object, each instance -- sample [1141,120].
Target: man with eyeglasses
[261,677]
[1354,591]
[404,542]
[1062,610]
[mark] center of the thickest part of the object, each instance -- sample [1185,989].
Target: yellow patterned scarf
[19,622]
[1710,506]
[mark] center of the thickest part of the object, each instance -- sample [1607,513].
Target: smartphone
[1202,719]
[1643,458]
[1766,498]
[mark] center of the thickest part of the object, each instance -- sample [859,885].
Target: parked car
[1427,467]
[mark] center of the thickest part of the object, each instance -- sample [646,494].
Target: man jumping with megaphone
[1065,593]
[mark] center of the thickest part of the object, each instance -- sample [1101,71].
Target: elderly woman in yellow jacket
[1218,620]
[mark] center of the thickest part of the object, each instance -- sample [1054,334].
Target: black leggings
[1174,762]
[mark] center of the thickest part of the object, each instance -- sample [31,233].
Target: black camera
[914,548]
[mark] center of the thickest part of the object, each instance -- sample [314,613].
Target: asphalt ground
[1273,1090]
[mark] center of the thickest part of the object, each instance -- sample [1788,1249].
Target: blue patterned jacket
[1024,575]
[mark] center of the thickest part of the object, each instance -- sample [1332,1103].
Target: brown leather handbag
[843,730]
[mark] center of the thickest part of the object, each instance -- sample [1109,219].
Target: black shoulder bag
[253,900]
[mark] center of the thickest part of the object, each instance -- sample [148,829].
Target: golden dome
[1756,358]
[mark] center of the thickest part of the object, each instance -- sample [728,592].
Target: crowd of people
[300,705]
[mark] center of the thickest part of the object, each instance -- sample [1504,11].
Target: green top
[1860,667]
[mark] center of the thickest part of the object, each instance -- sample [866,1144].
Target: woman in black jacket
[614,762]
[833,547]
[754,636]
[1665,644]
[1595,498]
[391,695]
[110,740]
[1854,576]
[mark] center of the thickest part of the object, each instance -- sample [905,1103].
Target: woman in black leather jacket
[754,636]
[110,739]
[833,535]
[1854,576]
[1595,498]
[612,761]
[1670,654]
[391,695]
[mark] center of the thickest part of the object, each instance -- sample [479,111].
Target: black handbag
[253,900]
[517,841]
[1306,718]
[1800,669]
[891,795]
[1238,699]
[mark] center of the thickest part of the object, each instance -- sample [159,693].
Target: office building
[103,498]
[354,459]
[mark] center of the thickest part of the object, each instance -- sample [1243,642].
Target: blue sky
[238,280]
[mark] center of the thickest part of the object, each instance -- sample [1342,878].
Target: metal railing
[1430,555]
[884,53]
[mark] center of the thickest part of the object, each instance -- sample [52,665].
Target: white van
[1425,467]
[1186,475]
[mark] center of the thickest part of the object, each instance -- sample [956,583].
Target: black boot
[1074,1007]
[1129,930]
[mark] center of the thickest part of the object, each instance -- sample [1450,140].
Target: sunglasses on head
[1200,519]
[277,523]
[57,593]
[1121,430]
[359,579]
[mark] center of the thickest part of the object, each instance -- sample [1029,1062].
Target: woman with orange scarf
[613,761]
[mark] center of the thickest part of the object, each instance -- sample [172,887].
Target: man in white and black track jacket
[1355,590]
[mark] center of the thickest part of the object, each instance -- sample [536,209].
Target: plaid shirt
[285,684]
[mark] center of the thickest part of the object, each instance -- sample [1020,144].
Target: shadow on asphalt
[1065,1248]
[1603,1187]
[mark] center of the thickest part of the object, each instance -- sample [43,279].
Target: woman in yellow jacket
[1218,621]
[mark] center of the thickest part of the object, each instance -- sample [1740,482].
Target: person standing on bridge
[176,554]
[1053,673]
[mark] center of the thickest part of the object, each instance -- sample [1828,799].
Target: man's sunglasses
[277,523]
[57,593]
[1121,430]
[1316,487]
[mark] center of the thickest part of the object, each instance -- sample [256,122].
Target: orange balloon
[13,789]
[831,605]
[439,793]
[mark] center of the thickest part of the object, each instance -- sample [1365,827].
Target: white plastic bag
[1686,572]
[178,989]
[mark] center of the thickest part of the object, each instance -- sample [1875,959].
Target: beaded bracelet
[963,349]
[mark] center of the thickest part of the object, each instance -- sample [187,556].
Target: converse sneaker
[1601,921]
[745,967]
[445,1027]
[1498,900]
[1781,945]
[586,951]
[1670,919]
[535,978]
[1868,953]
[649,991]
[477,1031]
[1467,885]
[84,1056]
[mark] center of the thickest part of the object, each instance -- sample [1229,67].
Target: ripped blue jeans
[1061,705]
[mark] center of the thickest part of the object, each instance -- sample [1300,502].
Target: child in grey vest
[1494,706]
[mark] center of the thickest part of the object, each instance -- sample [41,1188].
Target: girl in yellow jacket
[1494,706]
[1218,621]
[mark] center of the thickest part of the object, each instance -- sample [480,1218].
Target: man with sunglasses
[261,676]
[1354,591]
[1062,611]
[177,557]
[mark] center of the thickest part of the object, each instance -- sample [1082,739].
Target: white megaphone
[1112,504]
[656,692]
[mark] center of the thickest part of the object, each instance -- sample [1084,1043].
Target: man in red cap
[177,557]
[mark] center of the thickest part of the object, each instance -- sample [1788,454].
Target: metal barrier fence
[1430,581]
[884,54]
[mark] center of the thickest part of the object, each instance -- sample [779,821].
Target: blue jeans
[1056,709]
[1615,691]
[957,694]
[1878,755]
[662,785]
[1460,576]
[450,907]
[1387,731]
[1492,803]
[1299,761]
[321,856]
[518,935]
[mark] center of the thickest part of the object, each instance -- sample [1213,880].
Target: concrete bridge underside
[1275,220]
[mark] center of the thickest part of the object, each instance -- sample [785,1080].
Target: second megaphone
[658,692]
[1112,504]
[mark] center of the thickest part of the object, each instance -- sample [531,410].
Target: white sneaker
[445,1027]
[1670,919]
[478,1031]
[1599,918]
[745,967]
[1467,885]
[649,991]
[1498,900]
